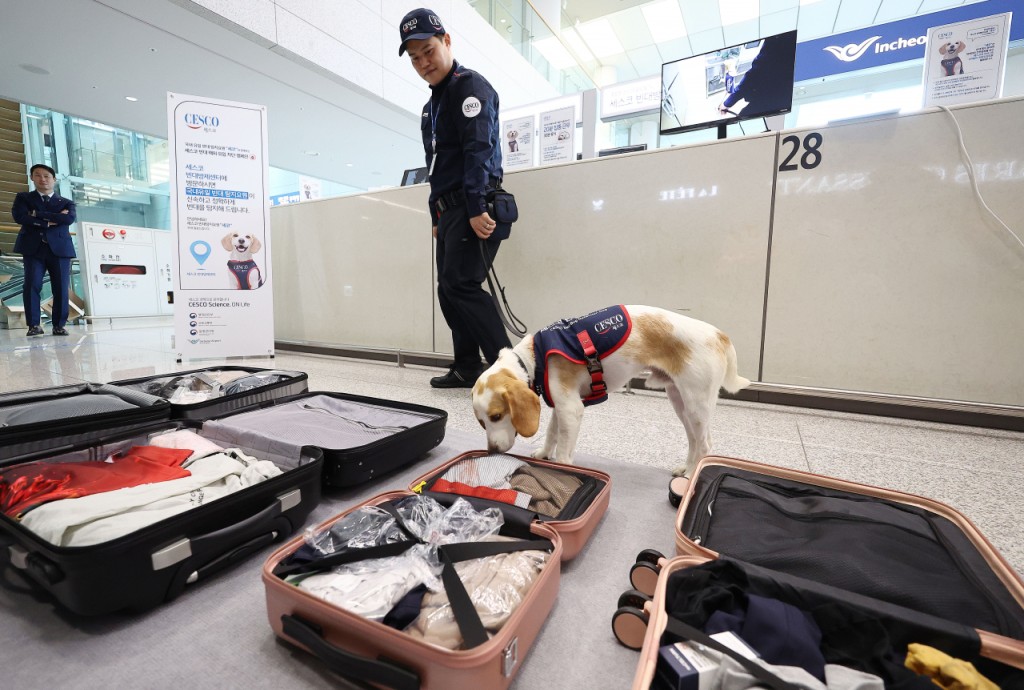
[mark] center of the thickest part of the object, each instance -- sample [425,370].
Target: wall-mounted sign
[965,61]
[631,98]
[557,130]
[517,143]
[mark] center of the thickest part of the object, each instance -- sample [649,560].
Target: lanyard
[433,133]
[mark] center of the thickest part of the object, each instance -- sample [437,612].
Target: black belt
[457,197]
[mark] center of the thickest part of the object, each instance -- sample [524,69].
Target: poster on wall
[517,143]
[309,188]
[223,304]
[557,128]
[965,62]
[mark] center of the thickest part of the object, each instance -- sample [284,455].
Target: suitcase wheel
[677,489]
[629,626]
[633,598]
[644,577]
[652,556]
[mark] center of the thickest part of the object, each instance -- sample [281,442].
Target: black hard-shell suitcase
[918,564]
[156,563]
[362,438]
[49,419]
[252,391]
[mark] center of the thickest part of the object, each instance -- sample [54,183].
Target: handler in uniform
[463,153]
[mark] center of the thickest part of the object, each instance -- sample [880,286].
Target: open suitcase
[36,421]
[916,565]
[219,390]
[368,652]
[362,438]
[140,549]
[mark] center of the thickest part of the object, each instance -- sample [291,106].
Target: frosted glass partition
[355,270]
[887,275]
[684,228]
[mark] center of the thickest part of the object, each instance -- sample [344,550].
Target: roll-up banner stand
[223,294]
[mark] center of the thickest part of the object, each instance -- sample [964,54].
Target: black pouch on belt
[501,206]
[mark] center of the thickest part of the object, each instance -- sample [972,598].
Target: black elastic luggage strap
[677,627]
[466,617]
[348,556]
[511,323]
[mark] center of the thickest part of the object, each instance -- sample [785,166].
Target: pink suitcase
[865,543]
[369,652]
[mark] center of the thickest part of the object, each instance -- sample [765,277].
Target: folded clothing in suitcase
[127,520]
[808,633]
[362,438]
[566,497]
[472,630]
[36,421]
[215,391]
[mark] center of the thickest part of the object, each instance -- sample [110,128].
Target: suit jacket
[34,227]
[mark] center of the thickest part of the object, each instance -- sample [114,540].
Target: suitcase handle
[216,550]
[349,666]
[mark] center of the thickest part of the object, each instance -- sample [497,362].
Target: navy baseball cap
[419,24]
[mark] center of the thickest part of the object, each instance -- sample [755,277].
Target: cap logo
[434,20]
[410,25]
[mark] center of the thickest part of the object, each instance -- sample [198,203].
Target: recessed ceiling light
[34,69]
[349,165]
[312,153]
[131,98]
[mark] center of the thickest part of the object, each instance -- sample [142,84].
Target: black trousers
[467,307]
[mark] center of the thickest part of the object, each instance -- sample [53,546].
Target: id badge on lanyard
[433,157]
[433,136]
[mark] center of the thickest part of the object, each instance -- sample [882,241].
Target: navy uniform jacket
[463,115]
[35,227]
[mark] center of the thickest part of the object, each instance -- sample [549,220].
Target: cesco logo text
[195,120]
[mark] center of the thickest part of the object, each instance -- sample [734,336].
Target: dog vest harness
[584,340]
[949,66]
[241,271]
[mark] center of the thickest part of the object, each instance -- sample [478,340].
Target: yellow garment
[945,671]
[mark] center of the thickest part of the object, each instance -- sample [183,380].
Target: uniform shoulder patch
[471,106]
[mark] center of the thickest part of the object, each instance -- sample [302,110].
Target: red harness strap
[597,385]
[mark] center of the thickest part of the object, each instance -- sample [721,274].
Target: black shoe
[455,379]
[58,331]
[35,330]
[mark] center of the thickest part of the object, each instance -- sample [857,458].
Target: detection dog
[951,62]
[513,140]
[691,359]
[245,274]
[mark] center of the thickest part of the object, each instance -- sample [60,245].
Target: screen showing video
[736,83]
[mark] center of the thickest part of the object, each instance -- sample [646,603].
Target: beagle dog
[513,140]
[245,274]
[691,359]
[951,61]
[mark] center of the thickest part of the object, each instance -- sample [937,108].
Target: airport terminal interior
[858,239]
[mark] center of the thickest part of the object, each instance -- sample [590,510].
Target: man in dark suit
[45,243]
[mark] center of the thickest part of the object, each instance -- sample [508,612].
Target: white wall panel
[886,273]
[355,270]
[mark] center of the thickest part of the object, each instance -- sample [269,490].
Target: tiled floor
[977,471]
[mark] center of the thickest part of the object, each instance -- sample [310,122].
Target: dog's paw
[681,471]
[540,454]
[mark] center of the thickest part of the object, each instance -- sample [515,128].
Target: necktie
[46,199]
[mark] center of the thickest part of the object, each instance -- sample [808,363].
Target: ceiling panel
[673,50]
[856,15]
[816,19]
[706,41]
[744,32]
[773,6]
[936,5]
[891,10]
[779,22]
[700,15]
[631,28]
[646,61]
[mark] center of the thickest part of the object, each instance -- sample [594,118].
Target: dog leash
[512,323]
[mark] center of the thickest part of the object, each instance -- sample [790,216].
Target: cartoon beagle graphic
[245,274]
[951,62]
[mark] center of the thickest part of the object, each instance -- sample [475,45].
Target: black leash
[512,323]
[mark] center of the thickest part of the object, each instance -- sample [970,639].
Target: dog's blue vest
[584,340]
[241,270]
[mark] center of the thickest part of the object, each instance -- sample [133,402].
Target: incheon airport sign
[890,43]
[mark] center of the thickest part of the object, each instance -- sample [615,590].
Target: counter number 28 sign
[811,156]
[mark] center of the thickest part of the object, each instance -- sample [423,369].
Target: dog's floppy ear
[524,407]
[226,242]
[255,246]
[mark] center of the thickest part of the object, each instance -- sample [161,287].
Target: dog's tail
[733,381]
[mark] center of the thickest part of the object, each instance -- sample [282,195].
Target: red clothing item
[26,486]
[502,495]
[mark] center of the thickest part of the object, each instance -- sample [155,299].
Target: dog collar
[523,365]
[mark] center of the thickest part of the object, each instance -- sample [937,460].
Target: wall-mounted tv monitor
[632,148]
[414,176]
[736,83]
